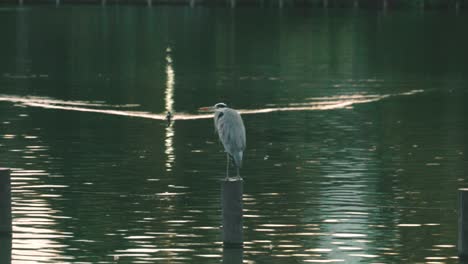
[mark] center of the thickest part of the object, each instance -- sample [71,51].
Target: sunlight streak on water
[36,232]
[329,103]
[169,104]
[316,104]
[49,101]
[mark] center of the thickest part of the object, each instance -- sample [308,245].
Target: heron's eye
[220,105]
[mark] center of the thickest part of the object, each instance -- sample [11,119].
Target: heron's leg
[227,166]
[238,177]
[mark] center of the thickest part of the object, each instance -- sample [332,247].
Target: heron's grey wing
[231,132]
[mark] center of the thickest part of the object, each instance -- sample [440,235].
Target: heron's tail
[237,157]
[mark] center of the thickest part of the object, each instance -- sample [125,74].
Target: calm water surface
[356,132]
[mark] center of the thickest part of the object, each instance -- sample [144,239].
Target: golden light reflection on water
[313,104]
[169,105]
[36,235]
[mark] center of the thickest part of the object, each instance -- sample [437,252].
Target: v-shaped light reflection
[310,104]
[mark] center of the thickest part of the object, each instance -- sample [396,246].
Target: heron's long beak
[206,109]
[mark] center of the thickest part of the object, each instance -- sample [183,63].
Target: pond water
[356,133]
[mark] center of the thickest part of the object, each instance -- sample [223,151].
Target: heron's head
[216,107]
[220,106]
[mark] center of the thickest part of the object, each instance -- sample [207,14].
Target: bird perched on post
[231,131]
[168,118]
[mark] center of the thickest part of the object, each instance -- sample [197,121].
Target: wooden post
[233,3]
[57,2]
[356,4]
[385,4]
[149,2]
[103,2]
[20,2]
[233,255]
[192,3]
[325,3]
[5,202]
[231,196]
[463,223]
[280,3]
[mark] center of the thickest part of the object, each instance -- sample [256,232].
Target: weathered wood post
[231,196]
[463,223]
[5,202]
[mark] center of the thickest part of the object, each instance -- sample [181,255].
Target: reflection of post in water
[5,202]
[5,249]
[233,255]
[5,216]
[463,224]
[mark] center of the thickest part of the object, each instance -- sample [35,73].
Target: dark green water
[356,133]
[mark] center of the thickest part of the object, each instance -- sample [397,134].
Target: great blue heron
[231,131]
